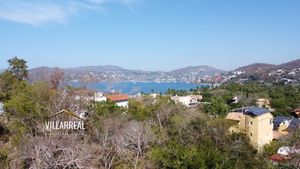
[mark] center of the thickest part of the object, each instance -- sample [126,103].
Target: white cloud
[37,12]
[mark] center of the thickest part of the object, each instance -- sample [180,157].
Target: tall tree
[7,84]
[18,67]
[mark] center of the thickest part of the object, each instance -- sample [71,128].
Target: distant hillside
[256,68]
[95,68]
[193,74]
[284,73]
[40,73]
[290,65]
[203,69]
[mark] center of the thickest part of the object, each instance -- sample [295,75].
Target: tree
[217,107]
[7,84]
[55,152]
[18,68]
[138,110]
[132,142]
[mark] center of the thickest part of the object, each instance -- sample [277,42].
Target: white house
[120,100]
[235,100]
[154,95]
[99,97]
[188,101]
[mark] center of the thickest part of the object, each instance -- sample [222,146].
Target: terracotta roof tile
[277,157]
[117,97]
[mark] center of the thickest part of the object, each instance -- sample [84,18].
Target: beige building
[188,101]
[256,122]
[264,103]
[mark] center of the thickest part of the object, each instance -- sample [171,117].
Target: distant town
[286,73]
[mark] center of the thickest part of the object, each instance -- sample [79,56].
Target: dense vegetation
[152,133]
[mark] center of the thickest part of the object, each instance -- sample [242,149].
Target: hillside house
[256,122]
[188,101]
[154,95]
[120,100]
[99,97]
[283,125]
[264,103]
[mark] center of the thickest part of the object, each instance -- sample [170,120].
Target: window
[250,134]
[271,121]
[251,123]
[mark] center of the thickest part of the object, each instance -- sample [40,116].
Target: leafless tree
[132,141]
[105,138]
[58,152]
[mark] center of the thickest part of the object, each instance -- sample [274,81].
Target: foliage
[174,92]
[216,107]
[283,98]
[138,110]
[270,149]
[204,144]
[101,110]
[28,106]
[7,83]
[18,68]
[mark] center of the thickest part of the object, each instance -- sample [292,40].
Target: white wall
[98,97]
[122,103]
[185,100]
[1,108]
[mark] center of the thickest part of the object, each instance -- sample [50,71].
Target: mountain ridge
[288,72]
[194,74]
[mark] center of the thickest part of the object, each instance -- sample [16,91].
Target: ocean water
[138,87]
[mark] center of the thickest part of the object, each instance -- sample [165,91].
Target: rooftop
[117,97]
[234,116]
[294,123]
[251,110]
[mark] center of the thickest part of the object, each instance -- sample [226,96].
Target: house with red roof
[120,100]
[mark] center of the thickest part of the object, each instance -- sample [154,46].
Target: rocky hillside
[284,73]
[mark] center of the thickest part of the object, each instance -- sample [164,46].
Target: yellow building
[283,125]
[264,103]
[256,122]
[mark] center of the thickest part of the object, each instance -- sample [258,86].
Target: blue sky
[149,34]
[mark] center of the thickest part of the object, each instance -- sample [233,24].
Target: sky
[149,34]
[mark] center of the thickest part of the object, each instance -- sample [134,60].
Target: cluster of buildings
[81,97]
[255,122]
[260,125]
[121,100]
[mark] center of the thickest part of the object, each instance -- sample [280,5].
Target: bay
[138,87]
